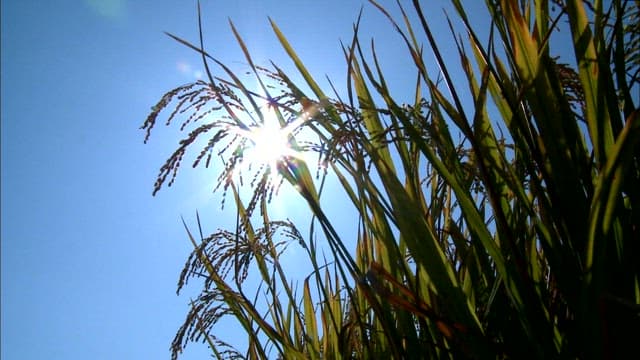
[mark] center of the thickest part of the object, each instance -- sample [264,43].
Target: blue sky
[90,259]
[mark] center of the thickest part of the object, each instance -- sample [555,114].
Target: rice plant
[507,226]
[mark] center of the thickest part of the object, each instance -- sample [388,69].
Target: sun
[270,143]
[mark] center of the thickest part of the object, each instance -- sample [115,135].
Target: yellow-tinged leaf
[310,322]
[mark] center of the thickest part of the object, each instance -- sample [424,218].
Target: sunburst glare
[270,142]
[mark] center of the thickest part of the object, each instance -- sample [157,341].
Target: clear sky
[90,260]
